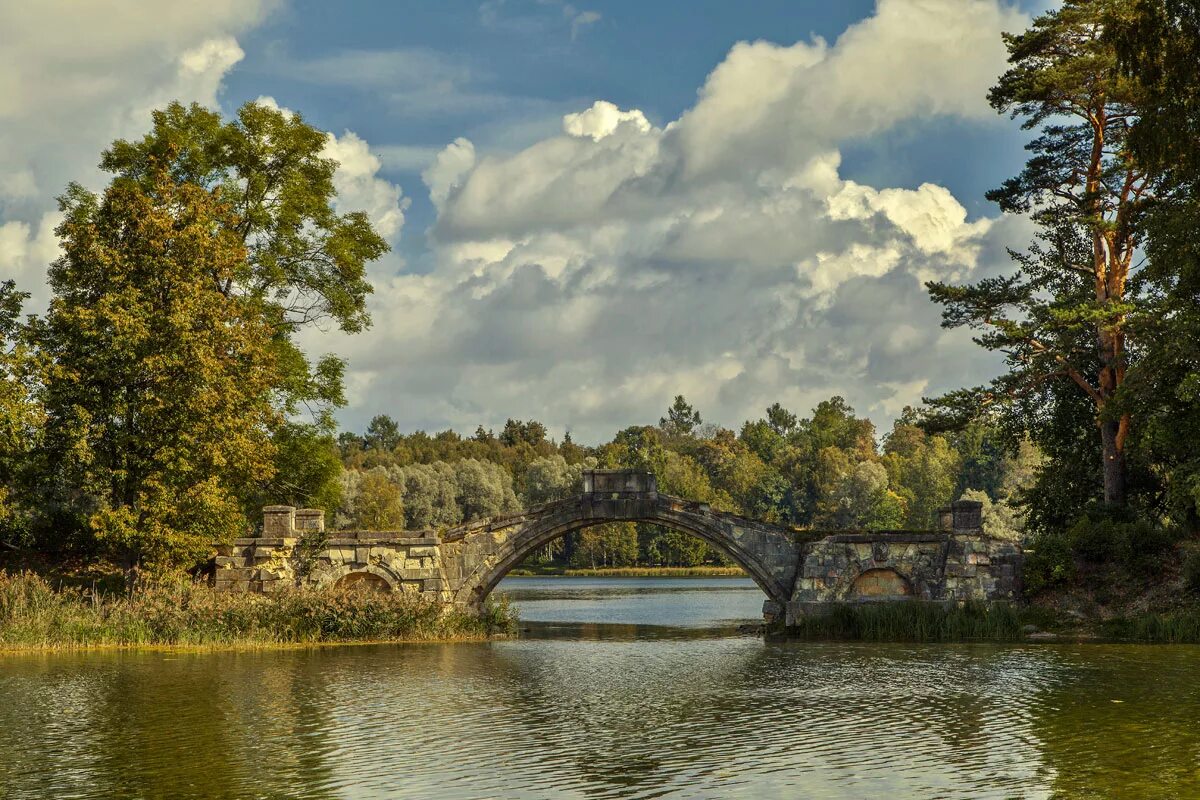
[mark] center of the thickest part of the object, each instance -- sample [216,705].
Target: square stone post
[278,521]
[967,515]
[310,519]
[945,519]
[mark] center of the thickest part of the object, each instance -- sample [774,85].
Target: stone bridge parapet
[799,575]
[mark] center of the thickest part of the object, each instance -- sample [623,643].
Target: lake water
[618,688]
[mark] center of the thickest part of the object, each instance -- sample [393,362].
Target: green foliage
[382,434]
[270,167]
[1001,520]
[859,498]
[1159,42]
[531,433]
[1049,562]
[157,386]
[303,263]
[308,470]
[912,621]
[1061,320]
[552,478]
[379,506]
[430,496]
[613,544]
[21,417]
[1138,547]
[922,470]
[484,489]
[638,447]
[1191,567]
[681,418]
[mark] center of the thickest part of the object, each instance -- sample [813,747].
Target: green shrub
[1150,546]
[1138,547]
[1049,561]
[1099,541]
[1191,567]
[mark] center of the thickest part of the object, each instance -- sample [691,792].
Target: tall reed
[35,615]
[911,622]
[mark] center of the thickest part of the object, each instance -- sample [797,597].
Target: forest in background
[826,471]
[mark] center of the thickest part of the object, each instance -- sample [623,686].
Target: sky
[592,206]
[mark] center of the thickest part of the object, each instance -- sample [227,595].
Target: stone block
[310,519]
[278,520]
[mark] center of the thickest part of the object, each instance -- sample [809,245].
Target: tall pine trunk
[1113,455]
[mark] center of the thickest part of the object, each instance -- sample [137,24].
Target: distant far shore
[630,572]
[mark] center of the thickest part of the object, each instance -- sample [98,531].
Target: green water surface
[618,688]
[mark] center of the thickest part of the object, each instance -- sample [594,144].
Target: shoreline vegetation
[35,616]
[934,622]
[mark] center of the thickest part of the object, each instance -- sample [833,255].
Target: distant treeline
[826,471]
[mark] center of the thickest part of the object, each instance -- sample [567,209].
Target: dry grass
[34,615]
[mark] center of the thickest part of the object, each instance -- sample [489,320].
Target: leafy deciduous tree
[157,386]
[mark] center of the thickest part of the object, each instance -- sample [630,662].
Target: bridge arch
[479,559]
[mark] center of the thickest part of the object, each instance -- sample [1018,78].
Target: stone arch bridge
[798,573]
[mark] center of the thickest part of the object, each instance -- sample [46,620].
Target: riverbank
[630,572]
[36,616]
[934,622]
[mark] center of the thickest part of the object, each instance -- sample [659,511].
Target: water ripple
[591,713]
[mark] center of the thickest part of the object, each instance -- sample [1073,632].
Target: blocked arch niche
[370,579]
[879,583]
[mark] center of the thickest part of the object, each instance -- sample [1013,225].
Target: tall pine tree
[1062,319]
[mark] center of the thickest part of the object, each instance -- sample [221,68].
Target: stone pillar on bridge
[278,521]
[620,482]
[310,519]
[961,516]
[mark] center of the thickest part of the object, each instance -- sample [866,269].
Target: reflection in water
[606,709]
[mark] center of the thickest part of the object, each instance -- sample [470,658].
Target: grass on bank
[1177,627]
[916,622]
[33,615]
[999,622]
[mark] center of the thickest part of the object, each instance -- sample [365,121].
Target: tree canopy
[305,262]
[156,386]
[1061,319]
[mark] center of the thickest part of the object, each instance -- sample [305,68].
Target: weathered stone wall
[405,561]
[954,566]
[460,566]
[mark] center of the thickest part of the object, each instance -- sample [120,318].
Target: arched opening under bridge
[478,558]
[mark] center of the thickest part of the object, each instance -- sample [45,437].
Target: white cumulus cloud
[75,76]
[589,277]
